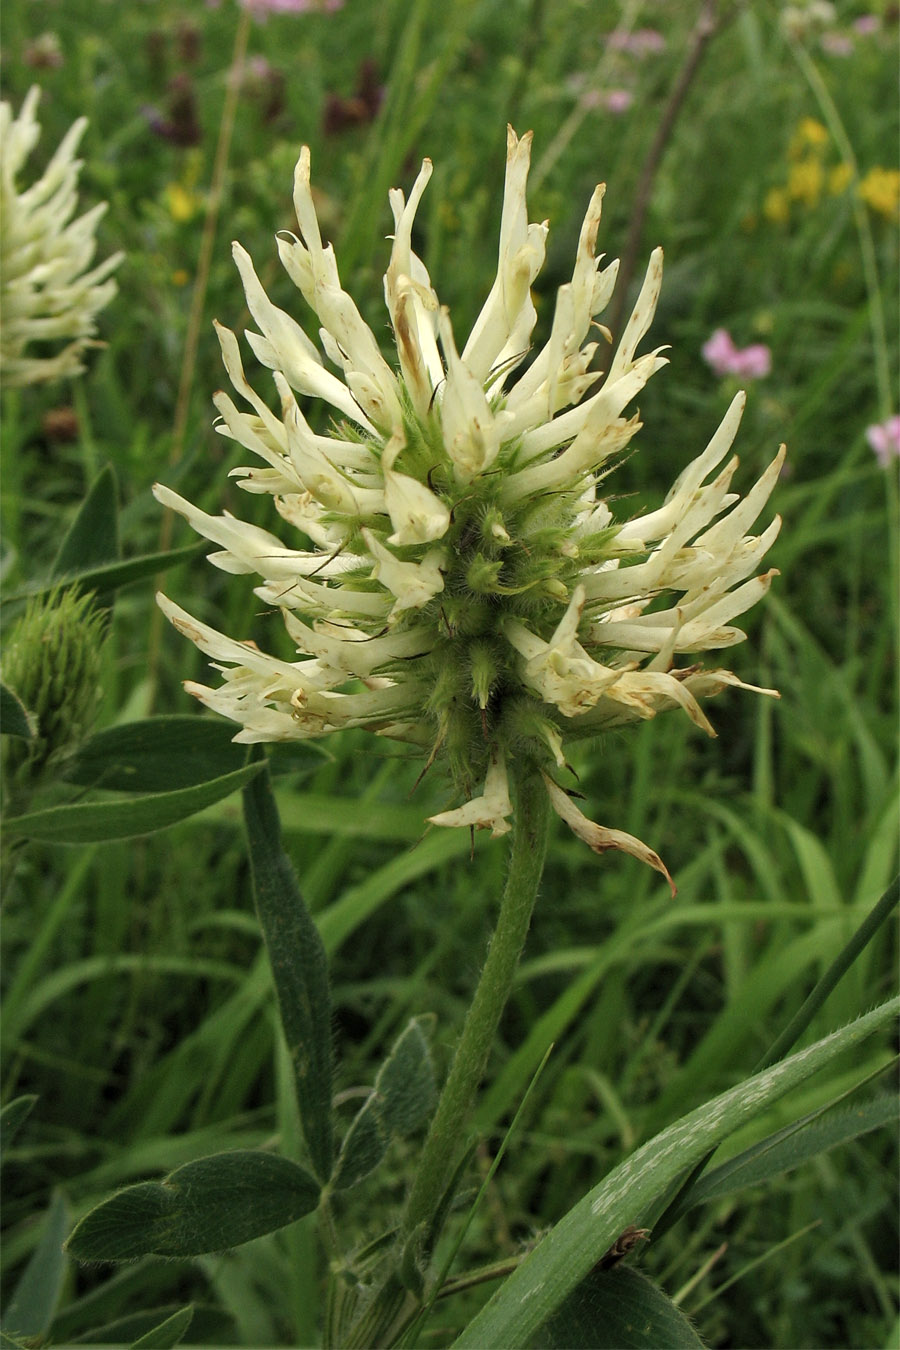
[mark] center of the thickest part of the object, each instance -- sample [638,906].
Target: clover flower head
[455,578]
[48,289]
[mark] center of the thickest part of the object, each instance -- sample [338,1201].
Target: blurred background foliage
[138,1005]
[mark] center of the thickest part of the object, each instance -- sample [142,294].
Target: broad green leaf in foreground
[565,1256]
[90,822]
[160,754]
[299,969]
[205,1206]
[157,754]
[618,1309]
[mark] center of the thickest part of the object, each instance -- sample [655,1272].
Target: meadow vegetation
[137,1001]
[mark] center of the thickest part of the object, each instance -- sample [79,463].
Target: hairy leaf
[91,822]
[204,1206]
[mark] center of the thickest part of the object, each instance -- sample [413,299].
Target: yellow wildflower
[181,203]
[805,182]
[880,189]
[777,206]
[839,179]
[808,134]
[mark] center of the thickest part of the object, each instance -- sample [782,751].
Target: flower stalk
[528,848]
[393,1306]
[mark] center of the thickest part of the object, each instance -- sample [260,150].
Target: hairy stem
[442,1147]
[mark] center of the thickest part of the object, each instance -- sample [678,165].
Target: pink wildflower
[618,100]
[261,8]
[837,44]
[750,363]
[615,101]
[866,24]
[884,438]
[642,42]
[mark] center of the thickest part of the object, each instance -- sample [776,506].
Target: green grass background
[138,1007]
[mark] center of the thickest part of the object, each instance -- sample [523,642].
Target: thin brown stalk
[198,295]
[710,22]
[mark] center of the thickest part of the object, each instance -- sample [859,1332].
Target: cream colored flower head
[48,289]
[450,574]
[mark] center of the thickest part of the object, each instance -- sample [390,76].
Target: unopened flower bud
[52,662]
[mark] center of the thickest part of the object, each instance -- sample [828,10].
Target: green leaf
[818,1132]
[90,822]
[34,1301]
[299,969]
[157,754]
[834,974]
[401,1101]
[15,720]
[93,537]
[168,1333]
[102,1315]
[110,576]
[618,1309]
[12,1117]
[204,1206]
[405,1082]
[566,1255]
[364,1146]
[681,1198]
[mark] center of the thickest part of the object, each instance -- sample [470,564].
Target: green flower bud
[483,575]
[52,661]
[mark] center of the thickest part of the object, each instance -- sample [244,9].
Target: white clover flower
[457,581]
[47,289]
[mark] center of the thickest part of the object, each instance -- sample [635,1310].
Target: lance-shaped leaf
[299,969]
[819,1132]
[93,537]
[401,1101]
[92,822]
[104,577]
[567,1254]
[156,754]
[206,1206]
